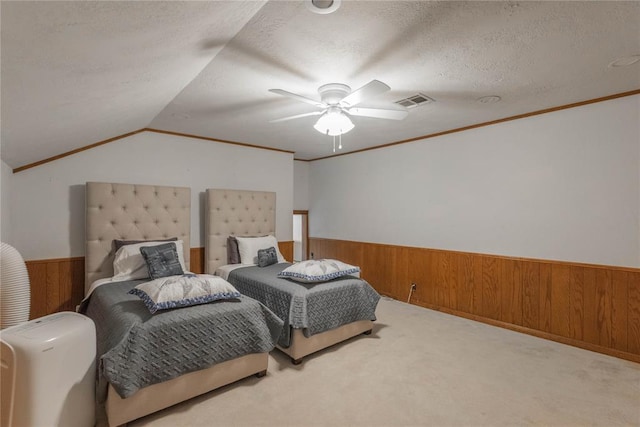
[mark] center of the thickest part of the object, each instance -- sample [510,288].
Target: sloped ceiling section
[75,73]
[534,55]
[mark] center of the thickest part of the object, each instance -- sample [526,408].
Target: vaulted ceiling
[75,73]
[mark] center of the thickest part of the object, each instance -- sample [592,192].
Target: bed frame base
[159,396]
[302,346]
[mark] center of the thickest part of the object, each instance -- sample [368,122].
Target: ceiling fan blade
[298,97]
[378,113]
[371,89]
[284,119]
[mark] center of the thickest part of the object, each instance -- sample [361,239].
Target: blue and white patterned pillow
[182,291]
[318,270]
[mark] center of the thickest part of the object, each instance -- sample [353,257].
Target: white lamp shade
[333,123]
[15,292]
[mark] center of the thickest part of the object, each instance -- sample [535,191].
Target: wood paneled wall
[197,260]
[58,284]
[589,306]
[286,249]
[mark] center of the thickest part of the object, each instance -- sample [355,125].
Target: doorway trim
[305,230]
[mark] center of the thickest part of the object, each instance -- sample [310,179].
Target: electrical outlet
[413,286]
[311,255]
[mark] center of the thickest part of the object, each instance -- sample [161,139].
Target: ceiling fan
[338,102]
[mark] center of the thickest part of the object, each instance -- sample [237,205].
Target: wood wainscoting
[286,249]
[58,284]
[197,260]
[589,306]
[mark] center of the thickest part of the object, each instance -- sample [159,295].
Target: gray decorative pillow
[267,257]
[162,260]
[120,243]
[233,255]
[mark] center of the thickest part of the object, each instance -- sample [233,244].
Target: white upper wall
[6,176]
[301,186]
[561,186]
[48,201]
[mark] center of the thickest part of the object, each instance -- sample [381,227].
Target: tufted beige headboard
[132,212]
[235,213]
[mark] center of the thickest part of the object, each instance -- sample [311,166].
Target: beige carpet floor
[425,368]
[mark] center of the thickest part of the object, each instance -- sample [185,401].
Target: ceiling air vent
[415,100]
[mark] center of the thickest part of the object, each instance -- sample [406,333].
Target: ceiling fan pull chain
[334,143]
[340,146]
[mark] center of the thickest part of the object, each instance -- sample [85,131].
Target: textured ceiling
[74,73]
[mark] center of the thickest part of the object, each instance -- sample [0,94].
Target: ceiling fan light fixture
[333,123]
[322,7]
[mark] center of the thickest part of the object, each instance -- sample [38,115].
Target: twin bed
[147,361]
[316,316]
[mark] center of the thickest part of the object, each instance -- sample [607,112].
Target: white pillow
[318,270]
[183,291]
[248,248]
[129,264]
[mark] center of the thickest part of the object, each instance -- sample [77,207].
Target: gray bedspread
[314,308]
[137,349]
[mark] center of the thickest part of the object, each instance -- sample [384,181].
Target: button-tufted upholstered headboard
[235,213]
[132,212]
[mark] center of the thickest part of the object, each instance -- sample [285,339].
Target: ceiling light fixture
[338,103]
[625,61]
[334,123]
[322,7]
